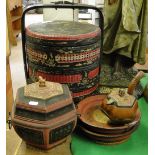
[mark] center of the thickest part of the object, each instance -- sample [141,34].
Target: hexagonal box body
[44,115]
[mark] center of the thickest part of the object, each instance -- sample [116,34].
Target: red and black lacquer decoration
[66,52]
[44,114]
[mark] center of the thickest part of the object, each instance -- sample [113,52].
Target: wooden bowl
[106,139]
[109,136]
[92,118]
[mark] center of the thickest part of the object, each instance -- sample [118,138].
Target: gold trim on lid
[43,89]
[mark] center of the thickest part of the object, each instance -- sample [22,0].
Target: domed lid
[43,89]
[62,32]
[43,97]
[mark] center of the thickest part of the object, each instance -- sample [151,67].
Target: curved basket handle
[56,6]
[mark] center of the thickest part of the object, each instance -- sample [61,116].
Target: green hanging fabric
[125,29]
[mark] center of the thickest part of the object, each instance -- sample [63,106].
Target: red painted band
[76,78]
[63,37]
[67,58]
[85,92]
[79,57]
[93,73]
[58,78]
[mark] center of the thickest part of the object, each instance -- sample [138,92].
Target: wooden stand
[14,13]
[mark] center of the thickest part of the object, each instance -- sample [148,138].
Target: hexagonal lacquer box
[44,114]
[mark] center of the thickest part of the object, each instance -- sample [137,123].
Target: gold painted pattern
[50,90]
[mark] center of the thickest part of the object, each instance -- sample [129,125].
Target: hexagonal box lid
[43,89]
[120,98]
[43,100]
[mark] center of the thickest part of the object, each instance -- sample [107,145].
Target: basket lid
[62,33]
